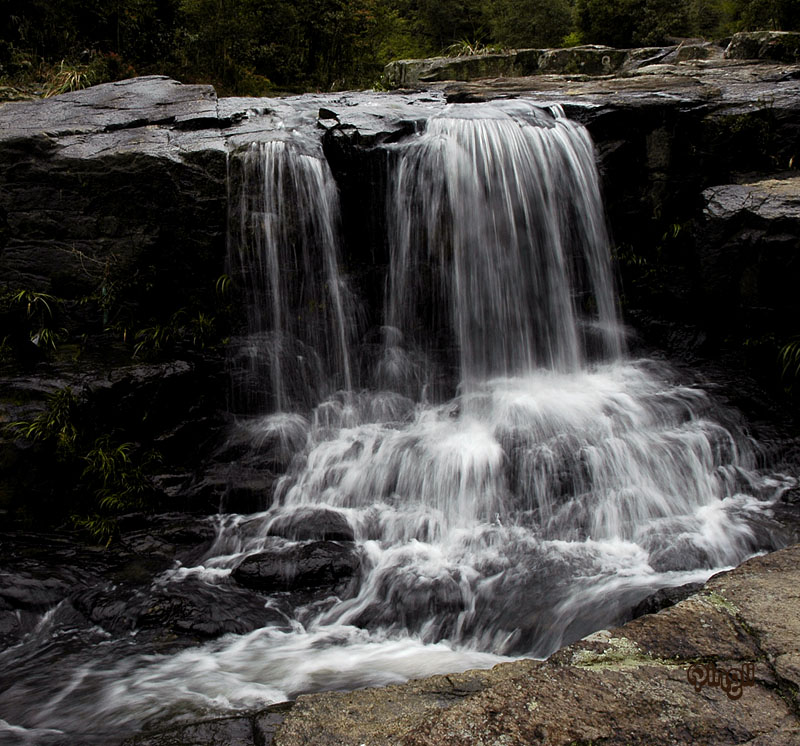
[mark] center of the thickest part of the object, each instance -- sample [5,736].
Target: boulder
[309,523]
[664,598]
[299,566]
[406,73]
[583,60]
[775,46]
[255,729]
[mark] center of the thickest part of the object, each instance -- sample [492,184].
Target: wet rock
[747,251]
[405,73]
[176,612]
[310,523]
[170,536]
[256,729]
[664,598]
[779,46]
[192,607]
[21,590]
[616,687]
[298,566]
[233,487]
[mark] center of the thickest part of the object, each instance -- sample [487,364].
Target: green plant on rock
[789,361]
[109,477]
[470,47]
[68,78]
[118,482]
[35,314]
[102,527]
[56,424]
[154,340]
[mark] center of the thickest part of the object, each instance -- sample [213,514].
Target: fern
[55,424]
[789,359]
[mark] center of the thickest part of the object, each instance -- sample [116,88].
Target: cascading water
[502,206]
[557,488]
[284,249]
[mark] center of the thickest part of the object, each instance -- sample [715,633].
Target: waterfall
[554,487]
[284,248]
[495,214]
[562,483]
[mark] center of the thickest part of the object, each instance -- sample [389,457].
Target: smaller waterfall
[284,246]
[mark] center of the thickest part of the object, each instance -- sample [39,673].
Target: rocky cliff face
[114,201]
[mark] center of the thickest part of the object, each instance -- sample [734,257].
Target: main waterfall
[509,480]
[534,495]
[502,205]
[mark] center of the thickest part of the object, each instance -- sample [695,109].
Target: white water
[561,485]
[285,252]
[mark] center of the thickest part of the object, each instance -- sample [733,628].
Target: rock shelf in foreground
[622,686]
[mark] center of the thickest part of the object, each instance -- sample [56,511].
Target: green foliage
[764,14]
[102,528]
[789,361]
[56,424]
[113,476]
[198,331]
[68,78]
[465,48]
[25,312]
[531,23]
[251,47]
[572,39]
[119,482]
[612,22]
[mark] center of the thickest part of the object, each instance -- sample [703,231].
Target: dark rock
[233,488]
[298,566]
[204,611]
[309,523]
[748,254]
[177,612]
[664,598]
[254,729]
[231,731]
[778,46]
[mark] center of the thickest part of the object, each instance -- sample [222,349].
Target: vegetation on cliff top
[254,47]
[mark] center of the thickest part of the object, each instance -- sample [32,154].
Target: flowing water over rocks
[433,520]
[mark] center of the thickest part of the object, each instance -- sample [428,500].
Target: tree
[612,22]
[531,23]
